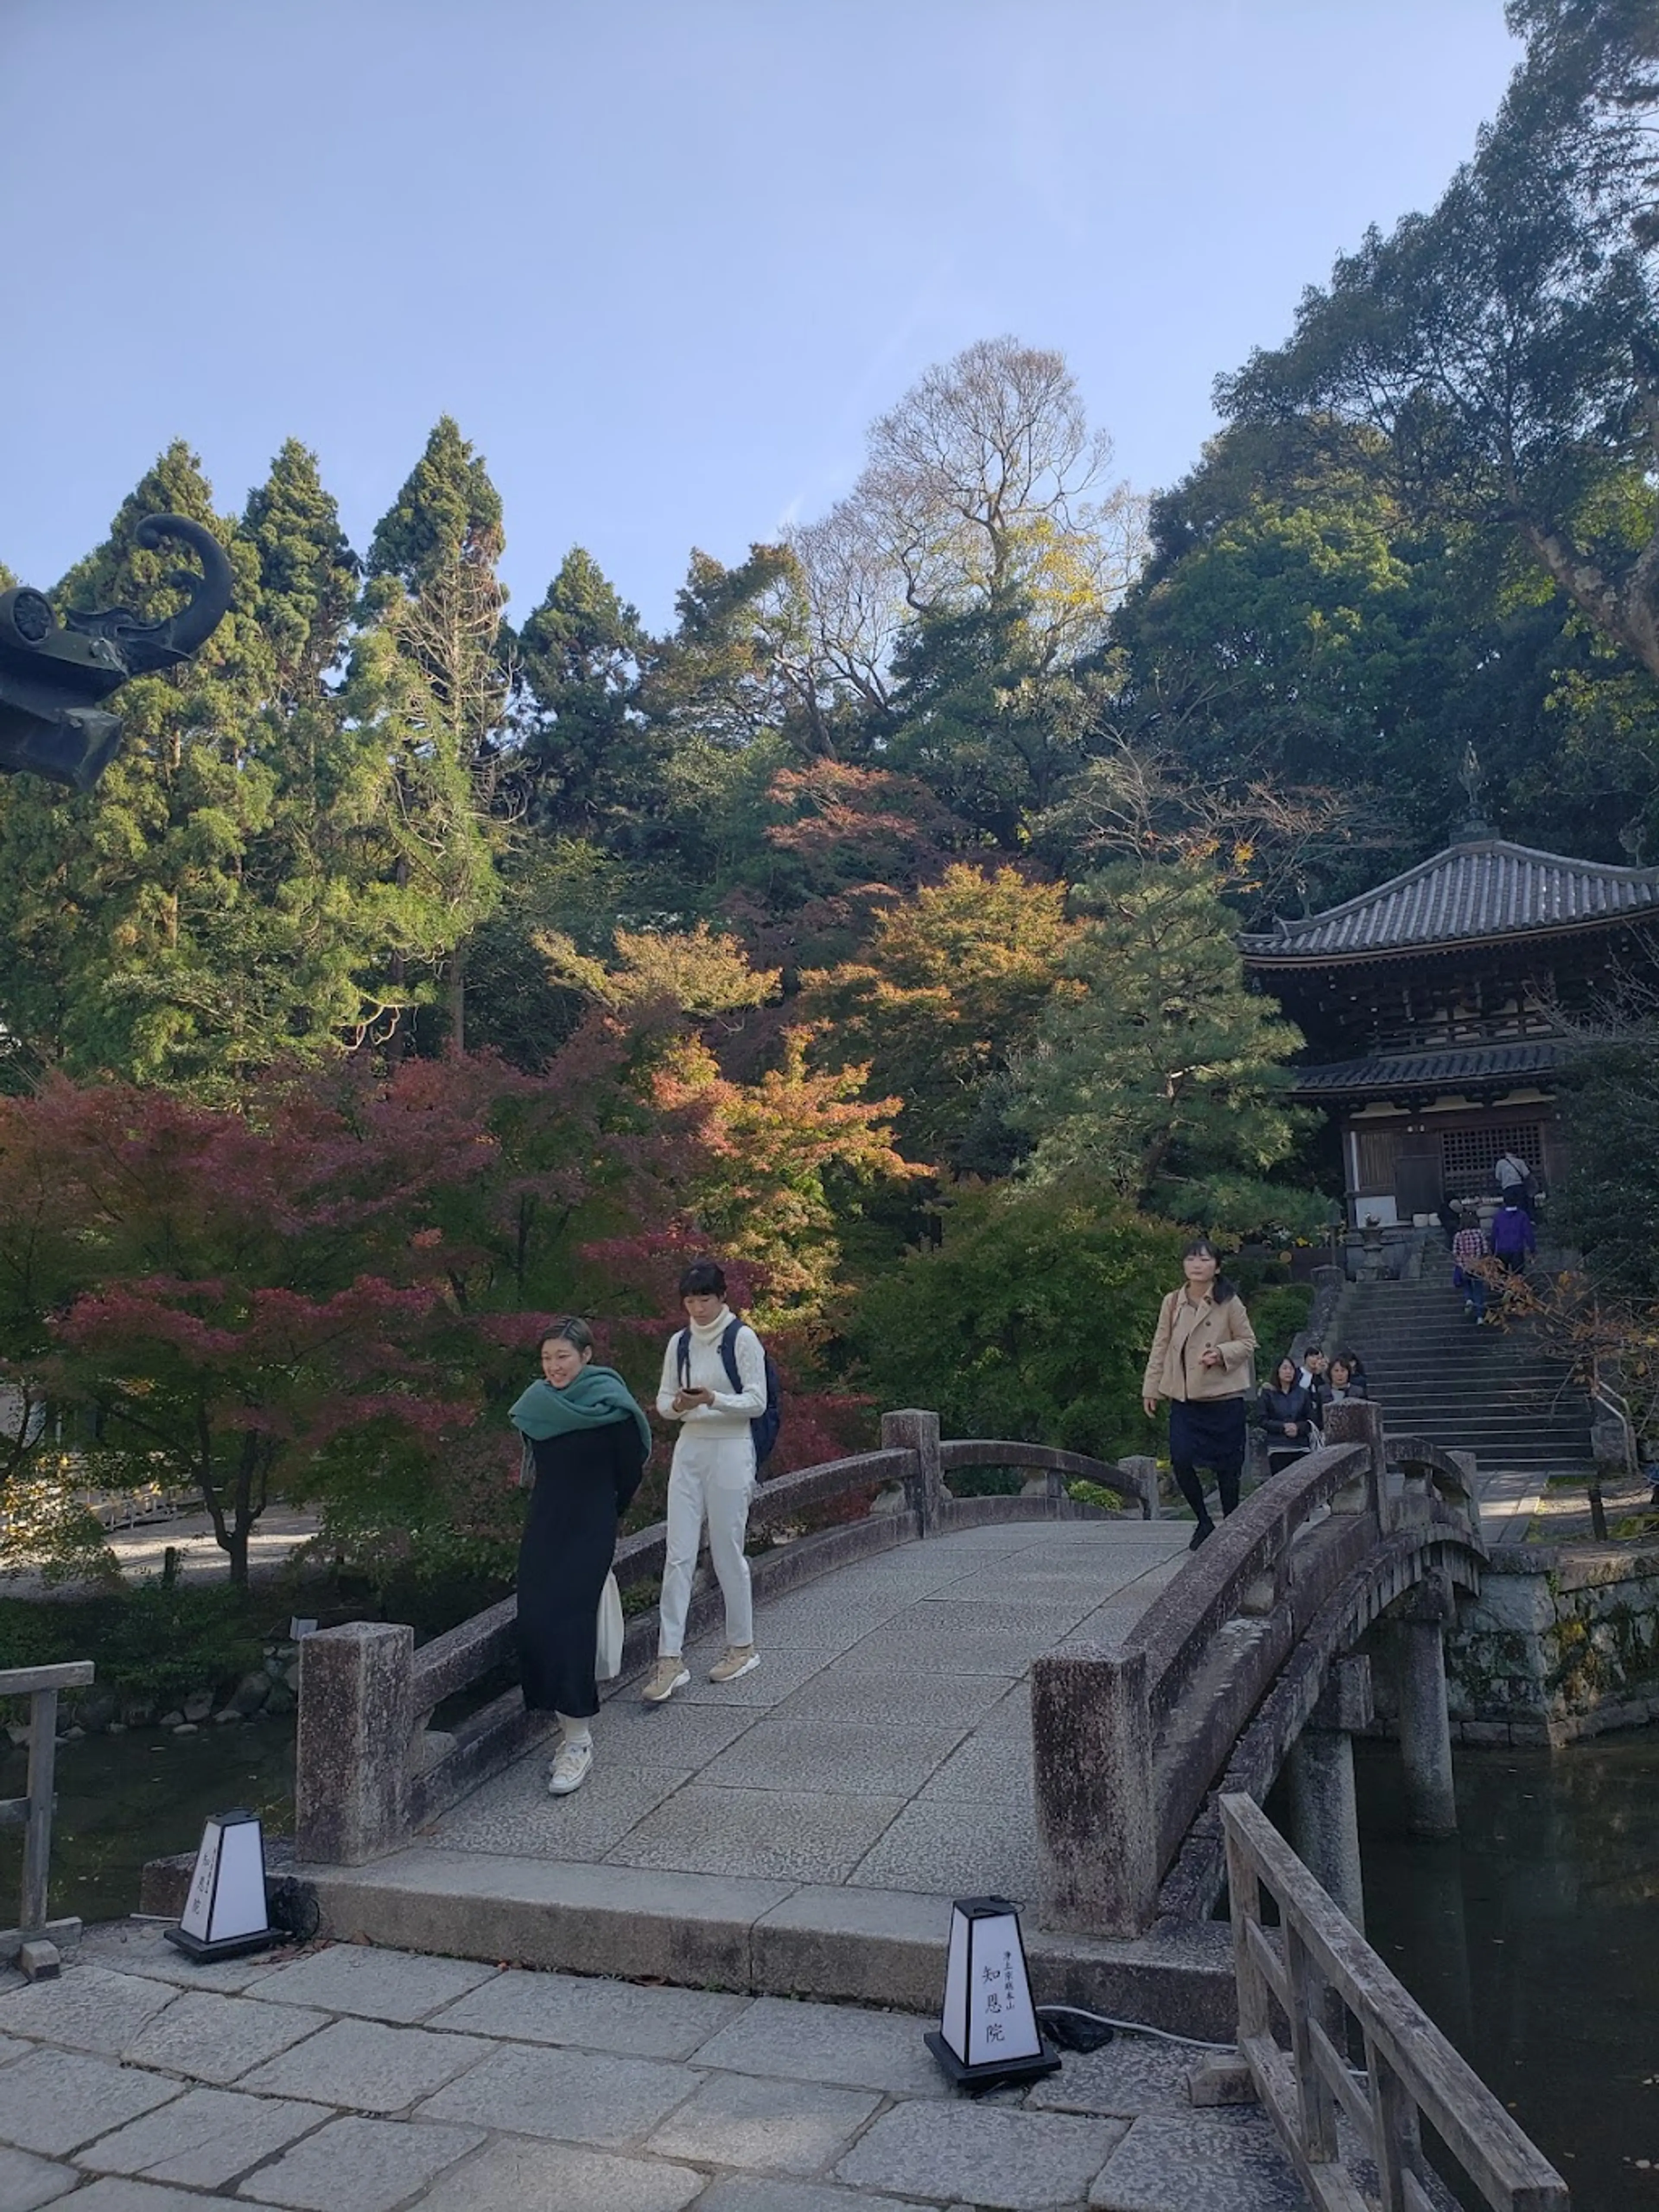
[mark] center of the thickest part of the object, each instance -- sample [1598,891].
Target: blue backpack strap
[684,1341]
[729,1358]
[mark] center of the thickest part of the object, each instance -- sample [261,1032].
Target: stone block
[205,2138]
[744,2194]
[854,2049]
[567,2095]
[125,1946]
[776,1835]
[366,2066]
[1486,1732]
[400,1986]
[781,2126]
[212,2038]
[87,2009]
[1015,2162]
[785,1752]
[546,2177]
[1220,2081]
[28,2182]
[40,1961]
[1126,2077]
[357,1720]
[53,2101]
[1210,2162]
[361,2166]
[592,2013]
[120,2192]
[691,1929]
[935,1846]
[881,1946]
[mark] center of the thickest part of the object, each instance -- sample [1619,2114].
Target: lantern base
[227,1946]
[995,2074]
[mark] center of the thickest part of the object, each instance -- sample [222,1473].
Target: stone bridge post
[1324,1823]
[357,1720]
[917,1432]
[1097,1807]
[1416,1628]
[1361,1423]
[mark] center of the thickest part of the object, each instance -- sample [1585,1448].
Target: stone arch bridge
[957,1694]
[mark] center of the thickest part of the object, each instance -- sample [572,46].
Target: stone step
[769,1938]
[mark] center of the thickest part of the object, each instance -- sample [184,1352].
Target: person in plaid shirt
[1469,1250]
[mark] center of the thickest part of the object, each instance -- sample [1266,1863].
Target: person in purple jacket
[1514,1239]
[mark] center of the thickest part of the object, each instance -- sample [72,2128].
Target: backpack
[764,1428]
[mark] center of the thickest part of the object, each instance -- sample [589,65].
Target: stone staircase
[1489,1391]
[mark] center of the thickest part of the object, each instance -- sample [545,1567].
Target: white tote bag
[607,1659]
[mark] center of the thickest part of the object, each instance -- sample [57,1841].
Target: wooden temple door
[1419,1185]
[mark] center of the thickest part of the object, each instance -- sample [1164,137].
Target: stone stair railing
[370,1771]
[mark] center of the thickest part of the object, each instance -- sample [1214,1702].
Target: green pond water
[1532,1940]
[124,1799]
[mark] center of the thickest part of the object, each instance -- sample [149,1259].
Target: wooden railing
[369,1768]
[1129,1741]
[34,1812]
[1314,1960]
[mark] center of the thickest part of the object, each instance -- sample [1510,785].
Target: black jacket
[1274,1409]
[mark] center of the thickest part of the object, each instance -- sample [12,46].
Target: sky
[664,260]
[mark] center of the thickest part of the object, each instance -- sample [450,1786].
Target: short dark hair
[703,1279]
[571,1330]
[1221,1290]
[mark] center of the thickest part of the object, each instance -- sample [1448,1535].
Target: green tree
[430,678]
[946,994]
[592,761]
[1506,345]
[1160,1071]
[1031,1320]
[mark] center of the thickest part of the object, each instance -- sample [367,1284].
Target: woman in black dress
[590,1442]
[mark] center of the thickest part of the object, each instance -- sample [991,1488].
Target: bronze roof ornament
[54,674]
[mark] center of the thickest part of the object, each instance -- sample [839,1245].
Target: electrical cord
[1129,2026]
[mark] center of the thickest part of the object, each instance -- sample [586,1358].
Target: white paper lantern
[226,1913]
[988,2032]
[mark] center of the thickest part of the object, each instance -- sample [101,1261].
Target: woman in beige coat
[1201,1362]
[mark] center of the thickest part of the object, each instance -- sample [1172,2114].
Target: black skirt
[584,1483]
[1207,1432]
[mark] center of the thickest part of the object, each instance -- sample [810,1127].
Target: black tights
[1226,1482]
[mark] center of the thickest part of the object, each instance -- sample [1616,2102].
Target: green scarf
[594,1399]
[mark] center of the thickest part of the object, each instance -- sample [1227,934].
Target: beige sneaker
[672,1674]
[740,1659]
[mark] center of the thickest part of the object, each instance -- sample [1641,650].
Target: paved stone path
[883,1742]
[353,2080]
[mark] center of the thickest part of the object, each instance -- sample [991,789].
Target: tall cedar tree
[430,677]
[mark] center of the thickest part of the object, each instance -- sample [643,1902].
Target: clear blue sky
[663,260]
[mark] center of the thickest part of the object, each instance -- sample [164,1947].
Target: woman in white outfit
[712,1476]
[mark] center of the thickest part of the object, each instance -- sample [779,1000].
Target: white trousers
[712,1480]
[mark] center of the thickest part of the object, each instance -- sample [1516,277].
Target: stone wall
[1563,1642]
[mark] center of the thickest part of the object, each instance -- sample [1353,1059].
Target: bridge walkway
[803,1831]
[884,1741]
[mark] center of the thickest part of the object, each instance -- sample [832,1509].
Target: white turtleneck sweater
[732,1410]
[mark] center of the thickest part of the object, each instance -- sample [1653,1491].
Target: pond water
[1532,1940]
[124,1799]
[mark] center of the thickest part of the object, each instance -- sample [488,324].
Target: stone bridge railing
[1210,1689]
[370,1768]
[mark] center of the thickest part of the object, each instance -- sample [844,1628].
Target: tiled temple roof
[1469,893]
[1445,1070]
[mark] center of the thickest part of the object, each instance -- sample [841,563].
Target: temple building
[1438,1008]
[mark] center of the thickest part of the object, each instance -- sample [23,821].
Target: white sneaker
[569,1770]
[672,1674]
[740,1659]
